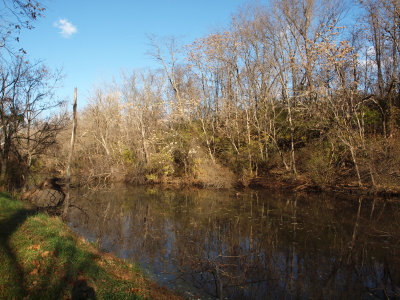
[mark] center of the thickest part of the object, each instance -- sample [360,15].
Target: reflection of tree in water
[256,245]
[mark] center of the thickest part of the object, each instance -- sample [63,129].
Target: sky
[94,41]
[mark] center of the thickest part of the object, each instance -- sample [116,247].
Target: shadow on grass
[12,271]
[13,279]
[78,265]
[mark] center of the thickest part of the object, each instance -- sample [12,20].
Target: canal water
[210,244]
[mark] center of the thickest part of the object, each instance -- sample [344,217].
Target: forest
[297,91]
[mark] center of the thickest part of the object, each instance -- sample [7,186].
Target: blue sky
[102,38]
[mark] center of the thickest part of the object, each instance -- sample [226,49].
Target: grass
[42,259]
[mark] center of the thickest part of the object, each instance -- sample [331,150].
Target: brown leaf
[34,272]
[36,263]
[45,254]
[34,247]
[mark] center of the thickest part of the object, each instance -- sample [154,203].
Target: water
[250,245]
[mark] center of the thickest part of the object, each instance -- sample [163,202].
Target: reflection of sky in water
[257,245]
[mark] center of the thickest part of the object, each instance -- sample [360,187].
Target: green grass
[42,259]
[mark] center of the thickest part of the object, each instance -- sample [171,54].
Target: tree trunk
[3,169]
[353,155]
[4,161]
[68,171]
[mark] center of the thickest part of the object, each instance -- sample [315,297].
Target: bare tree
[26,126]
[71,151]
[16,15]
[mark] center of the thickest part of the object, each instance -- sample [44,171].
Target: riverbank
[279,182]
[43,259]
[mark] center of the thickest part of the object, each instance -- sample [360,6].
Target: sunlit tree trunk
[71,151]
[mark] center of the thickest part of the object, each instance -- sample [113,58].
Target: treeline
[304,89]
[286,87]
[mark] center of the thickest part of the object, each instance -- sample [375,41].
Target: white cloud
[67,28]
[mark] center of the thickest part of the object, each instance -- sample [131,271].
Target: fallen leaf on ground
[34,247]
[45,253]
[34,272]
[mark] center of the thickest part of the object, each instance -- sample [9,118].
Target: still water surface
[250,245]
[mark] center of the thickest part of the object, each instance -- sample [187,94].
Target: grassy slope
[41,258]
